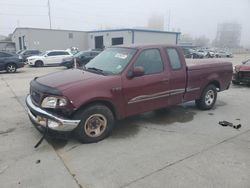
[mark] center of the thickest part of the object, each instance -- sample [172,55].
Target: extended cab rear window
[174,58]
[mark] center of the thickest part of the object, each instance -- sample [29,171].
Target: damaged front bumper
[40,117]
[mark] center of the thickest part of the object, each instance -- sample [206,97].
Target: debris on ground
[38,161]
[229,124]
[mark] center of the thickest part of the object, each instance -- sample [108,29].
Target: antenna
[49,14]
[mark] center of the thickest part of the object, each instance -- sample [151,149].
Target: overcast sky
[195,17]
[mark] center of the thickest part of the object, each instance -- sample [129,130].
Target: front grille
[35,96]
[244,75]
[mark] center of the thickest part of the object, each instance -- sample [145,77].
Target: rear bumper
[42,118]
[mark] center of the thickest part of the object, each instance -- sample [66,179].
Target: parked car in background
[223,54]
[27,53]
[48,58]
[188,52]
[198,55]
[202,52]
[210,54]
[10,62]
[82,58]
[241,73]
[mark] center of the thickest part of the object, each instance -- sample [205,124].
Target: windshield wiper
[96,70]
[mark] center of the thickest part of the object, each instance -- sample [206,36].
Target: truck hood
[65,80]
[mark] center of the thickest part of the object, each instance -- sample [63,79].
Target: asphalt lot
[179,146]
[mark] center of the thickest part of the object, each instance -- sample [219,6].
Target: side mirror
[136,72]
[46,55]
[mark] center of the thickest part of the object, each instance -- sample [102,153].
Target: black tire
[208,98]
[88,128]
[11,68]
[39,64]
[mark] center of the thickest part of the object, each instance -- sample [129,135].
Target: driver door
[149,91]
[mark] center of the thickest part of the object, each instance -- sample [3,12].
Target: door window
[151,61]
[57,53]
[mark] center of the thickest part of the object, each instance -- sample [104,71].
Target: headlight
[54,102]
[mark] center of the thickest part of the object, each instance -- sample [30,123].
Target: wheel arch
[216,83]
[106,103]
[10,62]
[39,60]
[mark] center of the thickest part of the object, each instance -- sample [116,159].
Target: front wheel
[38,64]
[208,98]
[96,123]
[11,68]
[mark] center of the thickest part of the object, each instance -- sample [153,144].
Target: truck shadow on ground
[129,127]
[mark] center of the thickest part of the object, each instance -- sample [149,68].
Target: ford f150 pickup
[121,82]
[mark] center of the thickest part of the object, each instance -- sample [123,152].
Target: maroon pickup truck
[121,82]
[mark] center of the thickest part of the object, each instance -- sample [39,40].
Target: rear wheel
[97,122]
[11,68]
[39,64]
[208,98]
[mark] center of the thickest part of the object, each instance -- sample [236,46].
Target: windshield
[42,54]
[78,54]
[112,60]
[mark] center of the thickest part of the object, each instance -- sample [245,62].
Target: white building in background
[47,39]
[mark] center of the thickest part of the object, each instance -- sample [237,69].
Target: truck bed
[201,72]
[197,64]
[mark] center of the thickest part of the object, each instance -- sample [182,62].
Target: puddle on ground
[169,115]
[125,128]
[130,126]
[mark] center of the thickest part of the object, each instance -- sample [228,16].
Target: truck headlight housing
[54,102]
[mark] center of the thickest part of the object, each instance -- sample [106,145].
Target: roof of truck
[140,46]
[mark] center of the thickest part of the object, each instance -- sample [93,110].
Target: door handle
[165,80]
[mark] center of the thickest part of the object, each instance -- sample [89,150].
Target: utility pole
[49,14]
[169,15]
